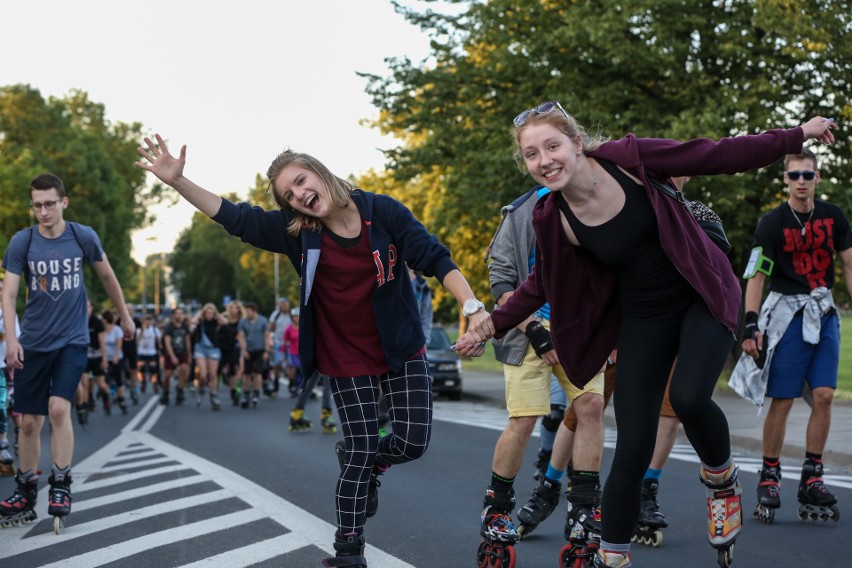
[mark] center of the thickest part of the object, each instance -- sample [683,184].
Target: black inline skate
[497,550]
[122,404]
[651,520]
[349,551]
[542,460]
[7,462]
[582,525]
[298,422]
[768,493]
[214,401]
[82,414]
[724,511]
[179,397]
[815,500]
[544,500]
[374,483]
[19,509]
[60,500]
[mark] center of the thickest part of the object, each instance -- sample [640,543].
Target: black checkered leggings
[408,394]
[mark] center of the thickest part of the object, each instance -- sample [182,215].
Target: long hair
[338,189]
[563,122]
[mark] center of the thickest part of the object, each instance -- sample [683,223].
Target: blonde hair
[338,189]
[239,307]
[209,306]
[563,122]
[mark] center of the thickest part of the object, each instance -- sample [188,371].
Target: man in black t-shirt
[796,337]
[177,347]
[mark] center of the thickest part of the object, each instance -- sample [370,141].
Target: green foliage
[94,157]
[660,68]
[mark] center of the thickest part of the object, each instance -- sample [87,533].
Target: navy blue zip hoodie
[395,236]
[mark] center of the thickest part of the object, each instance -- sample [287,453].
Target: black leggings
[409,398]
[647,349]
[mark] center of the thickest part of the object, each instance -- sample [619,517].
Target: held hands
[160,162]
[819,128]
[480,329]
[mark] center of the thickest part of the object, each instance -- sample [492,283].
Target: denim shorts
[202,352]
[46,374]
[795,361]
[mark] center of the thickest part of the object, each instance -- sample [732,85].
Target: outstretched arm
[169,170]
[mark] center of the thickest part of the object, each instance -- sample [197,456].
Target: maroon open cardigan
[584,310]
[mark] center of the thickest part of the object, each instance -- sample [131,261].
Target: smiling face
[549,155]
[302,190]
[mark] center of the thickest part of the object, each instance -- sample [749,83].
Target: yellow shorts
[528,386]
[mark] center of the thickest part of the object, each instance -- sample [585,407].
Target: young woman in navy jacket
[359,319]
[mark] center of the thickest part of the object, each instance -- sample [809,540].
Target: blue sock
[553,473]
[653,473]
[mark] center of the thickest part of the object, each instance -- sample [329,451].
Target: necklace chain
[799,221]
[591,191]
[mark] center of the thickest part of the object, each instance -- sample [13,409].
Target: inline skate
[122,404]
[179,397]
[19,509]
[582,526]
[724,511]
[60,500]
[82,414]
[651,520]
[327,421]
[7,462]
[768,493]
[298,422]
[497,550]
[214,401]
[349,551]
[815,500]
[544,500]
[199,396]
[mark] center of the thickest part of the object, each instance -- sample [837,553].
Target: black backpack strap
[76,238]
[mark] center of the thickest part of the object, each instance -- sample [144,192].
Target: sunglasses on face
[794,175]
[543,108]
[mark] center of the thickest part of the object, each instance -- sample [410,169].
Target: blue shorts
[202,352]
[279,358]
[795,361]
[47,374]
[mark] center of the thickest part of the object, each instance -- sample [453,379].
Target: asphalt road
[189,487]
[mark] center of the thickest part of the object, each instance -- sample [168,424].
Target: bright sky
[237,82]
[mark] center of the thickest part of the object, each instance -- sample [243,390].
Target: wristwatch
[472,306]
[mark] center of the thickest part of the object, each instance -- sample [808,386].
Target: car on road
[445,364]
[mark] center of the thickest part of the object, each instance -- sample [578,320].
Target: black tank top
[629,243]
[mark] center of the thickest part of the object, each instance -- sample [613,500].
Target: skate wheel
[568,557]
[835,513]
[656,539]
[505,556]
[725,556]
[57,525]
[802,513]
[483,555]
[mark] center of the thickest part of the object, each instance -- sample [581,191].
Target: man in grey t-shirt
[253,337]
[50,356]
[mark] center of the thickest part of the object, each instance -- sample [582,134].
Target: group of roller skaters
[618,276]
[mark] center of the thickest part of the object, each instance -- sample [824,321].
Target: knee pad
[551,421]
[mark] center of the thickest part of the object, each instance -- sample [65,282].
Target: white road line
[119,479]
[253,553]
[127,548]
[151,464]
[146,408]
[146,491]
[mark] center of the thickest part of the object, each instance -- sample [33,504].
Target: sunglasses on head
[543,108]
[794,175]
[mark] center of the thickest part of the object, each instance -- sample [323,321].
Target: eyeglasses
[543,108]
[47,205]
[794,175]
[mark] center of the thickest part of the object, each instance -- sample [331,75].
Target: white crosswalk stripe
[139,461]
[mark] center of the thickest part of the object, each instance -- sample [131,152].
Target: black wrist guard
[750,326]
[539,338]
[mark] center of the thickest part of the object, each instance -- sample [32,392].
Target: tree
[72,138]
[652,67]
